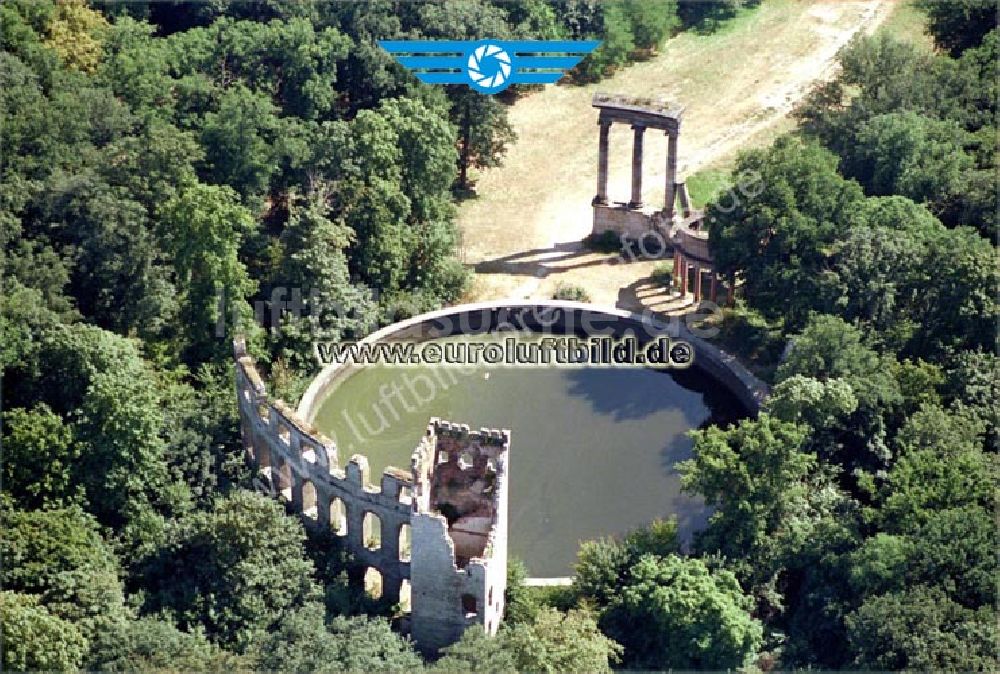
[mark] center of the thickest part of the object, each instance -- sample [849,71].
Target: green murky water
[592,449]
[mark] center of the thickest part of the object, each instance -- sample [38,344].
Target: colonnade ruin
[683,231]
[432,539]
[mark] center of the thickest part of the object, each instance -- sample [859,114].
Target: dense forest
[175,173]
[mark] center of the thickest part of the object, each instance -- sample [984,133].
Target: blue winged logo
[489,66]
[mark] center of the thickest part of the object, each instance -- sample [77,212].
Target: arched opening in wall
[469,608]
[338,517]
[263,455]
[405,596]
[264,471]
[404,543]
[373,582]
[308,453]
[285,481]
[371,531]
[309,506]
[465,461]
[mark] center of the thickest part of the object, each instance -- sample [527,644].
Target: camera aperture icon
[488,67]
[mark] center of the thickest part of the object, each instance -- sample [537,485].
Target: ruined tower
[459,562]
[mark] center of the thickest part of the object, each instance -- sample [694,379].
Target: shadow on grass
[464,193]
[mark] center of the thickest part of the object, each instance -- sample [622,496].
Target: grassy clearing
[909,24]
[705,185]
[737,86]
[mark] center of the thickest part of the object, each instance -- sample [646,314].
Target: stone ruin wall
[460,522]
[447,591]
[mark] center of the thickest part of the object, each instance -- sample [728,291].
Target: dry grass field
[737,85]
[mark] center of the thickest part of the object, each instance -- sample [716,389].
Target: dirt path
[737,86]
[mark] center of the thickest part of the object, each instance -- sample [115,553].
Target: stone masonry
[433,537]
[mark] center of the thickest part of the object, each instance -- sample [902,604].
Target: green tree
[23,25]
[401,215]
[561,642]
[829,348]
[134,64]
[819,404]
[202,229]
[603,565]
[302,642]
[38,266]
[484,132]
[652,21]
[911,155]
[152,644]
[959,24]
[972,383]
[481,121]
[880,75]
[941,466]
[239,142]
[520,603]
[315,265]
[476,652]
[952,549]
[99,385]
[617,43]
[956,298]
[237,570]
[677,614]
[39,454]
[116,275]
[780,238]
[59,558]
[921,629]
[757,476]
[200,429]
[880,265]
[35,640]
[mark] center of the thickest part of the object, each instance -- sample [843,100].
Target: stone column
[682,193]
[713,292]
[684,276]
[602,164]
[355,526]
[669,191]
[636,201]
[322,508]
[391,583]
[697,283]
[297,503]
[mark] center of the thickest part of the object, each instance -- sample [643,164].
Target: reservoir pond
[592,448]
